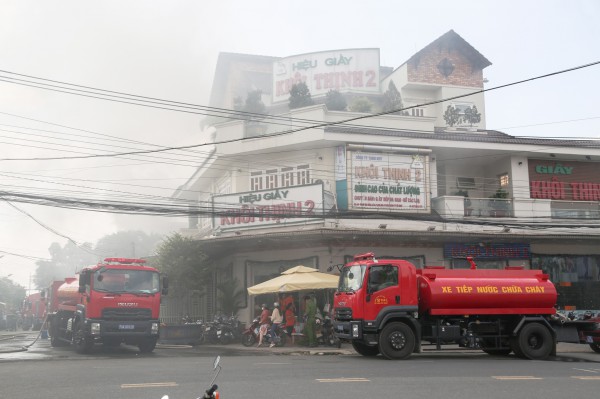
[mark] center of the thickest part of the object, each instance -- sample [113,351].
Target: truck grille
[343,313]
[126,314]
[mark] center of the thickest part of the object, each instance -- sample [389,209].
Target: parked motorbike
[250,335]
[210,393]
[327,336]
[228,329]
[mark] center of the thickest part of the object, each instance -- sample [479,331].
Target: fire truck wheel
[83,343]
[365,350]
[55,341]
[535,341]
[396,341]
[147,346]
[595,347]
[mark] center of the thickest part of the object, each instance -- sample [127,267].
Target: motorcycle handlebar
[209,392]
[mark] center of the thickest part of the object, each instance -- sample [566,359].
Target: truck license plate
[126,326]
[589,339]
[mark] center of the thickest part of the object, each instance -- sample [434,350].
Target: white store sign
[280,206]
[355,70]
[387,182]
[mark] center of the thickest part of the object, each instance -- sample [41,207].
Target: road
[185,372]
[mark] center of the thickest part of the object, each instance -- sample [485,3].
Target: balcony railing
[489,208]
[526,208]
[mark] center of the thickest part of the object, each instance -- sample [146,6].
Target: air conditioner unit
[465,182]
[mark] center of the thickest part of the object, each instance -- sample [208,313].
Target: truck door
[382,289]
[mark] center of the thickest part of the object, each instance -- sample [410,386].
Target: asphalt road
[184,372]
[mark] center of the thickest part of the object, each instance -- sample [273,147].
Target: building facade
[425,181]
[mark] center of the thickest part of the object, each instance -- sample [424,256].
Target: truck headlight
[95,328]
[355,332]
[154,328]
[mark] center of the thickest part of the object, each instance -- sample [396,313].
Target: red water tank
[480,291]
[67,294]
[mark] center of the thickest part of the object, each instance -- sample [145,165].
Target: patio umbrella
[297,278]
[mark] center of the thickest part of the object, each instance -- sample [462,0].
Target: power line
[314,126]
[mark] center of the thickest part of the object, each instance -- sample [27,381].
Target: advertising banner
[384,181]
[355,70]
[279,206]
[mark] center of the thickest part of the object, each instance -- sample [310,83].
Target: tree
[451,116]
[128,244]
[11,294]
[392,100]
[361,104]
[335,101]
[472,115]
[300,96]
[64,262]
[254,105]
[230,297]
[187,266]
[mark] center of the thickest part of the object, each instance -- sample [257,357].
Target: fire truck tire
[365,350]
[248,339]
[535,341]
[595,347]
[397,341]
[83,343]
[147,346]
[55,340]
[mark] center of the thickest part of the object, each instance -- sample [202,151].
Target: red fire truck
[117,301]
[390,307]
[33,312]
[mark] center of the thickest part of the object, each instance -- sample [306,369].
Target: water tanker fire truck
[117,301]
[389,306]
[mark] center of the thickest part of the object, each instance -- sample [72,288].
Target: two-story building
[429,183]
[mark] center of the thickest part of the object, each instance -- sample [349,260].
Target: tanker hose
[26,347]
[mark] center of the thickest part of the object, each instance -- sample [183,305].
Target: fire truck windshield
[351,278]
[126,281]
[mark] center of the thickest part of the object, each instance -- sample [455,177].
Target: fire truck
[116,301]
[389,307]
[33,312]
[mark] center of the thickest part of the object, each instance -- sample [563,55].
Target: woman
[264,323]
[290,319]
[276,319]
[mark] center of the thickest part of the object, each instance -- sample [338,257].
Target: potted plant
[499,208]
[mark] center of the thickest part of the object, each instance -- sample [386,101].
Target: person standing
[290,319]
[310,312]
[264,323]
[276,319]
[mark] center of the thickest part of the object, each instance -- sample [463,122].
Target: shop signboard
[277,206]
[348,70]
[564,180]
[393,182]
[488,251]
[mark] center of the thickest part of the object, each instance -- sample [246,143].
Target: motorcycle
[210,393]
[326,336]
[251,335]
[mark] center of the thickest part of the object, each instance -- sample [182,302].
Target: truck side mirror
[84,278]
[165,285]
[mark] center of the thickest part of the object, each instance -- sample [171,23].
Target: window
[256,181]
[504,180]
[271,179]
[381,277]
[303,175]
[287,177]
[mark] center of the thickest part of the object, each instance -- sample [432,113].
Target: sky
[168,50]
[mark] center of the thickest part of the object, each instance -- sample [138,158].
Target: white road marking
[516,377]
[150,385]
[343,379]
[587,370]
[586,377]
